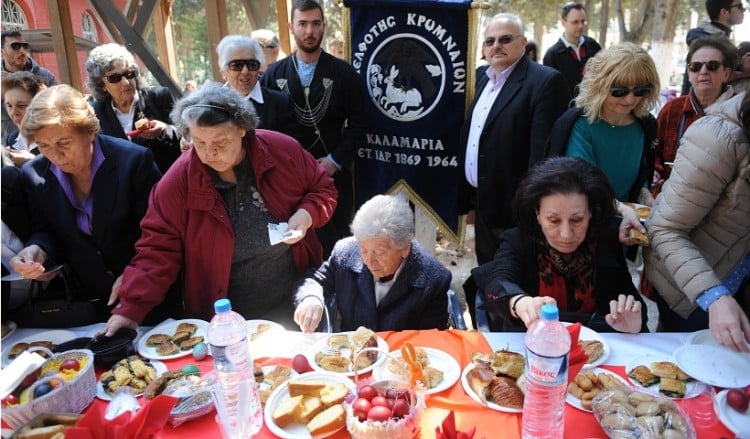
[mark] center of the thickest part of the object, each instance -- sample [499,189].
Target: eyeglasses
[17,45]
[238,64]
[269,46]
[739,6]
[115,78]
[621,92]
[697,66]
[503,39]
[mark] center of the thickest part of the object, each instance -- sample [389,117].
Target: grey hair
[384,216]
[101,60]
[506,16]
[230,43]
[212,105]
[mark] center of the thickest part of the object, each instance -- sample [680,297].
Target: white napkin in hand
[22,366]
[279,232]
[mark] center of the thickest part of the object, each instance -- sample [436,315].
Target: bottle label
[551,371]
[232,358]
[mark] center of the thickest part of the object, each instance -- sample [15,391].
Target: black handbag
[52,309]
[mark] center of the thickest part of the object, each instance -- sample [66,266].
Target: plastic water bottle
[238,403]
[547,350]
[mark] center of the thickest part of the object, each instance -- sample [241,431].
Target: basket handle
[41,349]
[355,367]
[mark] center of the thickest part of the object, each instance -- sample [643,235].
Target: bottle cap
[222,305]
[550,312]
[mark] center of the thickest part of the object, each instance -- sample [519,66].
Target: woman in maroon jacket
[208,216]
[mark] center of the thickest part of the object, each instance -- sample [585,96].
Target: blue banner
[412,59]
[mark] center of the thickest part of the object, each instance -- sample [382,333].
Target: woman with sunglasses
[710,61]
[127,110]
[611,127]
[240,58]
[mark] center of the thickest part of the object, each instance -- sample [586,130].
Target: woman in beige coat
[700,229]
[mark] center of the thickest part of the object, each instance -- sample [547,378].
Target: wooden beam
[144,15]
[63,41]
[216,15]
[282,14]
[106,8]
[164,42]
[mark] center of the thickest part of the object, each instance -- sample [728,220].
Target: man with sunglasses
[570,53]
[16,57]
[508,123]
[722,14]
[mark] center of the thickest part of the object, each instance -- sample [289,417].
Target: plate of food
[134,372]
[587,384]
[47,339]
[660,375]
[309,406]
[643,211]
[440,369]
[8,327]
[738,422]
[715,365]
[496,380]
[269,378]
[336,352]
[259,329]
[594,345]
[173,339]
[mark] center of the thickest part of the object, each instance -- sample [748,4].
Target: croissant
[506,393]
[508,363]
[479,379]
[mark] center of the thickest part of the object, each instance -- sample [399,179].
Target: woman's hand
[29,263]
[154,131]
[19,156]
[625,314]
[630,220]
[116,322]
[729,324]
[301,220]
[114,295]
[308,314]
[529,308]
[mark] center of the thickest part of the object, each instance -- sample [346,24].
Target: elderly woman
[127,110]
[710,61]
[19,88]
[564,251]
[380,278]
[240,58]
[87,194]
[610,125]
[699,256]
[207,219]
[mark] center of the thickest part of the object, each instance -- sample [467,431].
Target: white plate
[320,344]
[252,328]
[469,391]
[169,329]
[738,423]
[440,360]
[11,327]
[575,402]
[299,431]
[587,333]
[55,336]
[692,388]
[714,365]
[704,336]
[101,394]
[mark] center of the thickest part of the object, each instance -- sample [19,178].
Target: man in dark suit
[516,103]
[570,53]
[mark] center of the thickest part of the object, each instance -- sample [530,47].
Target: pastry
[44,344]
[432,376]
[479,379]
[187,327]
[157,339]
[643,212]
[190,343]
[333,394]
[666,369]
[180,336]
[672,388]
[593,348]
[365,338]
[333,363]
[508,363]
[339,341]
[310,407]
[17,349]
[506,393]
[643,376]
[307,387]
[286,412]
[278,375]
[328,421]
[638,237]
[167,348]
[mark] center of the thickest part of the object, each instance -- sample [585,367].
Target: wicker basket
[70,397]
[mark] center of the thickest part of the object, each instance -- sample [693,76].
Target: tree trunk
[665,13]
[639,24]
[603,23]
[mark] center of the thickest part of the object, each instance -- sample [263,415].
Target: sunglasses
[238,64]
[17,45]
[697,66]
[739,6]
[621,92]
[503,39]
[115,78]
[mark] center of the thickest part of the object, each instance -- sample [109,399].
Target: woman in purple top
[87,194]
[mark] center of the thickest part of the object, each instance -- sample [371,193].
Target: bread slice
[328,421]
[333,394]
[643,375]
[672,388]
[310,407]
[309,387]
[638,237]
[288,411]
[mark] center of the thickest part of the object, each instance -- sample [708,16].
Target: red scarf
[569,280]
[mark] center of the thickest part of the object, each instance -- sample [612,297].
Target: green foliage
[190,35]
